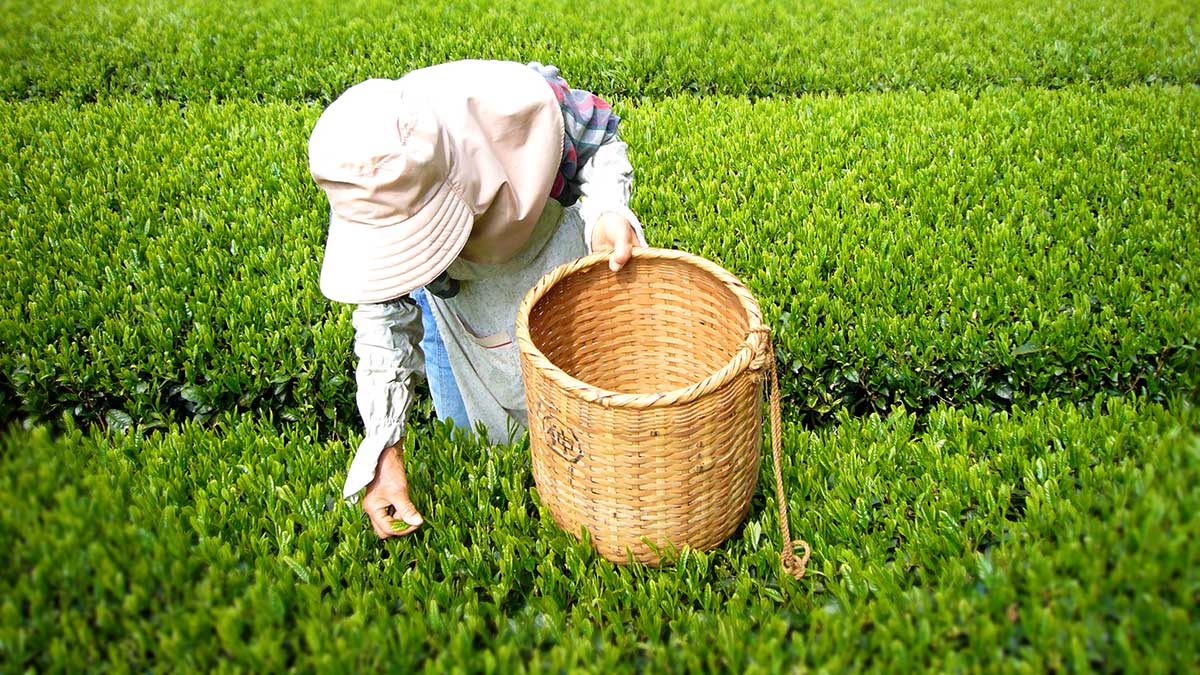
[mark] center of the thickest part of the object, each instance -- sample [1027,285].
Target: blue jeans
[447,400]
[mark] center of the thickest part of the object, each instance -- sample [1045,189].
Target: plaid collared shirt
[588,121]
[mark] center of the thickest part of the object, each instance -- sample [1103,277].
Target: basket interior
[655,326]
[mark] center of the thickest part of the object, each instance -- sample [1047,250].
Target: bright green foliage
[198,49]
[163,258]
[971,225]
[908,248]
[923,247]
[1056,538]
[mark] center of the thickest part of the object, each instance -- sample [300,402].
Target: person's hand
[613,232]
[386,500]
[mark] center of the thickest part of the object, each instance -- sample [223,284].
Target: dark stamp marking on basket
[562,441]
[703,462]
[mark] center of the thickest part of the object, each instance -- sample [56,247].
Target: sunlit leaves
[1060,534]
[281,50]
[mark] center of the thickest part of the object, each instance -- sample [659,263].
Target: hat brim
[367,264]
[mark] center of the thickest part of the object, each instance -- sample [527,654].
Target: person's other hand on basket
[614,233]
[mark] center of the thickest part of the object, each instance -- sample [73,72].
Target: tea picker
[453,190]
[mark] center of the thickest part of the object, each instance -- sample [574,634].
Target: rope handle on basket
[791,564]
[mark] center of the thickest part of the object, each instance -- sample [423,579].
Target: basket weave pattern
[644,390]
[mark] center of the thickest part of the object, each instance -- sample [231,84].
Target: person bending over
[452,190]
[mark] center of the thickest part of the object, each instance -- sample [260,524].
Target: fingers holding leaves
[384,520]
[386,501]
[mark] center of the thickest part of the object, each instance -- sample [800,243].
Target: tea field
[972,225]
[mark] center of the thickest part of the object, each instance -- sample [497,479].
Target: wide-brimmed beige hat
[414,167]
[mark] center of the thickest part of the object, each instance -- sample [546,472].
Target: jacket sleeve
[606,182]
[595,166]
[387,338]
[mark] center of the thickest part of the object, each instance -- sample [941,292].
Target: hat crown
[454,158]
[379,156]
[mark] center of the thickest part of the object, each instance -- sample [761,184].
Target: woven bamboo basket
[644,389]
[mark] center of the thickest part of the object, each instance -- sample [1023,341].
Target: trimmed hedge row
[948,246]
[1058,538]
[161,259]
[277,49]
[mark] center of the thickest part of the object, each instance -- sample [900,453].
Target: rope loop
[791,564]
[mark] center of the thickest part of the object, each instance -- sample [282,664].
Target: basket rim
[752,346]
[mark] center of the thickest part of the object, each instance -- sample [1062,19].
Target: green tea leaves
[971,228]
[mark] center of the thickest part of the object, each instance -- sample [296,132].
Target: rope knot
[764,353]
[792,565]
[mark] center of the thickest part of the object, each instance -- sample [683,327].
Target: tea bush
[163,258]
[276,49]
[908,248]
[923,247]
[1057,537]
[971,226]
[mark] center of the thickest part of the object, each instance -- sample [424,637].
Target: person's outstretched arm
[387,340]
